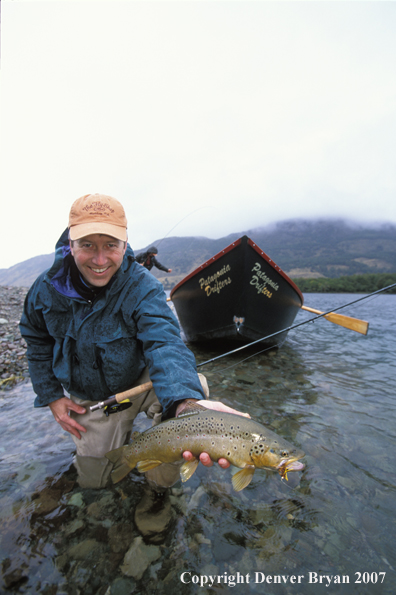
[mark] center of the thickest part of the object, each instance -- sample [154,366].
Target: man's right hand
[60,410]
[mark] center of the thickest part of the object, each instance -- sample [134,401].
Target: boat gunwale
[206,264]
[227,249]
[276,268]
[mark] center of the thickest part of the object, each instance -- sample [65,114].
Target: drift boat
[240,293]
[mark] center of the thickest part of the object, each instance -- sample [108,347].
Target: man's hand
[60,410]
[216,406]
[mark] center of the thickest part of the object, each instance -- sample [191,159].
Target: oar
[354,324]
[125,396]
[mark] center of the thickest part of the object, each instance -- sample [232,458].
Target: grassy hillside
[350,284]
[303,249]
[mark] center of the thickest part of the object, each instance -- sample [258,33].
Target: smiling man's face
[98,257]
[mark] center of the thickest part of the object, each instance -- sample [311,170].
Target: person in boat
[148,260]
[96,324]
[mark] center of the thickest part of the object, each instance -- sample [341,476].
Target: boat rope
[294,326]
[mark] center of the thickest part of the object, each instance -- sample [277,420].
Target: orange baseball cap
[97,213]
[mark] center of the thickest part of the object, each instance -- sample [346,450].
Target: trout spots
[260,448]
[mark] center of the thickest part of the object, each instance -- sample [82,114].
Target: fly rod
[134,392]
[125,396]
[294,326]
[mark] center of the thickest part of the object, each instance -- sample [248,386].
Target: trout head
[277,455]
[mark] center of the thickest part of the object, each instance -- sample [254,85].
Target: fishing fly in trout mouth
[245,443]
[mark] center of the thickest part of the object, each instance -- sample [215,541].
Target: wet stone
[153,516]
[245,379]
[346,482]
[13,360]
[369,524]
[75,528]
[45,502]
[14,578]
[195,500]
[76,500]
[122,586]
[139,557]
[100,508]
[120,537]
[88,548]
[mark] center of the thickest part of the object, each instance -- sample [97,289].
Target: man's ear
[71,246]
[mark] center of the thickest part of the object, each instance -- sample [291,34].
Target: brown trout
[245,443]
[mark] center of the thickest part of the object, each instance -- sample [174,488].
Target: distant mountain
[302,248]
[24,273]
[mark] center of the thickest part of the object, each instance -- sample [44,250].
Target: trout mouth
[289,465]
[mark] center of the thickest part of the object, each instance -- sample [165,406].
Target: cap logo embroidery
[98,208]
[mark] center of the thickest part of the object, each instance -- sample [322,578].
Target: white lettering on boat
[212,284]
[260,281]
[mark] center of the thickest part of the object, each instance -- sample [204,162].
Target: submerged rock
[153,515]
[139,557]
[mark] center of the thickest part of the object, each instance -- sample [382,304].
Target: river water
[330,529]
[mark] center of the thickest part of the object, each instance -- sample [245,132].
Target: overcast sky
[206,117]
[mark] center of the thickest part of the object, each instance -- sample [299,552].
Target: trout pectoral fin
[242,478]
[188,469]
[144,466]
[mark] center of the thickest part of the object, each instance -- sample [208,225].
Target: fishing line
[244,360]
[192,213]
[365,297]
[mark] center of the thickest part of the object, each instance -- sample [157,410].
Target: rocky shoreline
[13,360]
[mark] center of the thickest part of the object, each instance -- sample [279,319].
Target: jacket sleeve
[171,364]
[39,351]
[157,264]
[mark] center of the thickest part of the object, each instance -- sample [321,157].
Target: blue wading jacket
[95,350]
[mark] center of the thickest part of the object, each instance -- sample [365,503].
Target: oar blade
[353,324]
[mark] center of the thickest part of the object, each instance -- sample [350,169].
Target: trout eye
[284,453]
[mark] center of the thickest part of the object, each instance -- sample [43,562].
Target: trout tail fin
[121,466]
